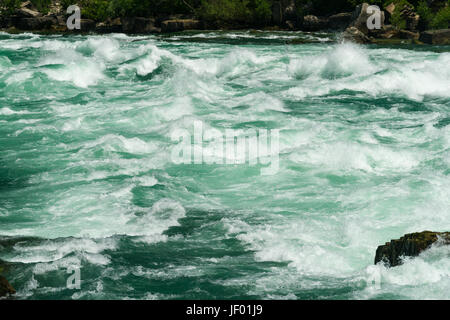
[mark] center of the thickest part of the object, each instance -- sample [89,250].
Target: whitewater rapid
[87,177]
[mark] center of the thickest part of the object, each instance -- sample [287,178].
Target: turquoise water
[87,178]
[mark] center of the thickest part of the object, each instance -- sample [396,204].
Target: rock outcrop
[410,245]
[139,25]
[313,23]
[353,34]
[179,25]
[440,37]
[339,21]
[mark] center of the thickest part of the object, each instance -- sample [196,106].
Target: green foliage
[255,12]
[261,11]
[152,7]
[97,10]
[442,19]
[42,6]
[425,13]
[9,6]
[66,3]
[397,19]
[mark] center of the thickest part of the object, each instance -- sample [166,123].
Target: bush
[244,12]
[42,6]
[261,12]
[151,7]
[98,10]
[397,19]
[9,6]
[225,11]
[442,19]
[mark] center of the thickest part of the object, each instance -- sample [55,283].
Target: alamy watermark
[374,20]
[74,21]
[227,147]
[74,280]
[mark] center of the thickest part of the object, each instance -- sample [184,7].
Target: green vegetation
[42,5]
[254,12]
[9,6]
[442,19]
[439,19]
[397,19]
[239,12]
[97,10]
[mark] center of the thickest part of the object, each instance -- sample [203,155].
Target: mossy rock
[5,288]
[410,245]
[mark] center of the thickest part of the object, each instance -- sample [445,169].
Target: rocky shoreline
[353,25]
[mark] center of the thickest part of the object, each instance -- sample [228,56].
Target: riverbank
[284,17]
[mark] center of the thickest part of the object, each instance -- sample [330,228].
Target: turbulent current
[88,181]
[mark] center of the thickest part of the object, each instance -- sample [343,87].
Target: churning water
[87,179]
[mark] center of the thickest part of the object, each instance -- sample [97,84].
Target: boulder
[410,245]
[139,25]
[290,25]
[86,25]
[339,21]
[353,34]
[389,11]
[25,12]
[360,17]
[389,32]
[313,23]
[406,34]
[5,288]
[179,25]
[110,25]
[39,23]
[440,37]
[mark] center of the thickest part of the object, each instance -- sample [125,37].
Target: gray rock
[39,23]
[406,34]
[5,288]
[410,245]
[114,25]
[25,12]
[179,25]
[139,25]
[313,23]
[86,25]
[340,21]
[360,17]
[353,34]
[440,37]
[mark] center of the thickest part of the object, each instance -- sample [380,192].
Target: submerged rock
[5,288]
[410,245]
